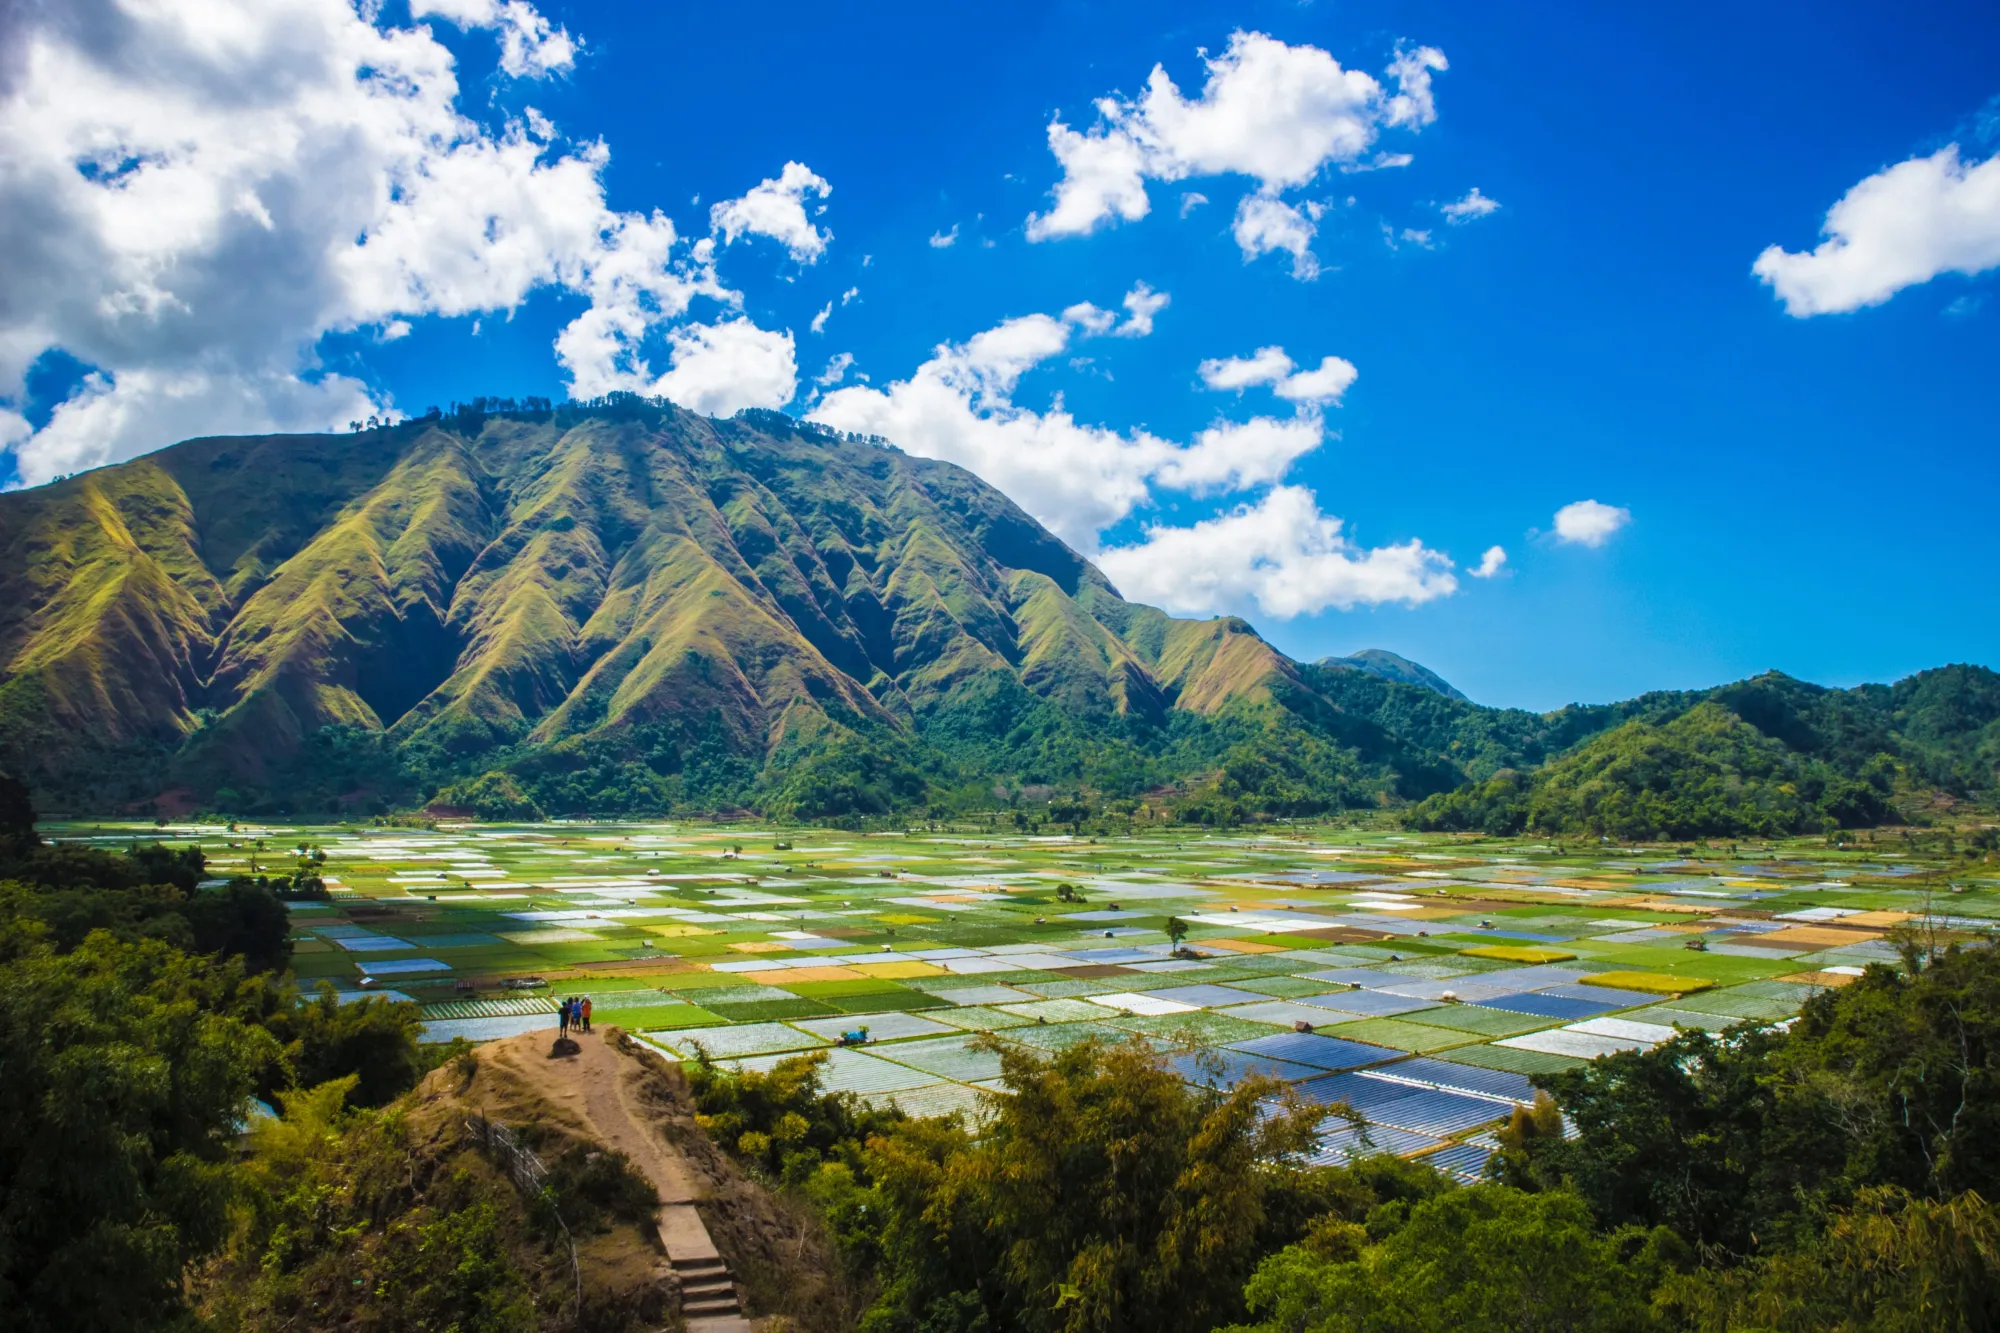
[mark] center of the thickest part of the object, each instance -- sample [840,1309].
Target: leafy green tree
[1908,1064]
[1497,807]
[124,1080]
[495,795]
[782,1120]
[1105,1193]
[1071,811]
[1891,1264]
[1486,1259]
[848,780]
[1684,1135]
[147,892]
[373,1039]
[138,1014]
[356,1218]
[1738,1141]
[17,818]
[242,918]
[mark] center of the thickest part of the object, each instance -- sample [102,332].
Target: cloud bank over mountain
[192,197]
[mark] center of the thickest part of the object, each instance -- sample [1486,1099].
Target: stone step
[693,1309]
[718,1323]
[704,1265]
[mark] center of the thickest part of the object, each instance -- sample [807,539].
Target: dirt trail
[597,1086]
[593,1086]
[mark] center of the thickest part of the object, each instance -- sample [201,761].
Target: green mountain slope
[491,588]
[625,608]
[1394,666]
[1769,755]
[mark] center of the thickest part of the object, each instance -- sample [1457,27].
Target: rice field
[1419,980]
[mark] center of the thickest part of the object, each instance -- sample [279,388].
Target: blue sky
[1805,491]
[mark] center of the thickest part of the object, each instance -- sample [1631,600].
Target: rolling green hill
[625,608]
[1765,756]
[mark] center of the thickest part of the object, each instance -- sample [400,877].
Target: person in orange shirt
[583,1007]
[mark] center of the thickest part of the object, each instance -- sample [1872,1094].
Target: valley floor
[1433,975]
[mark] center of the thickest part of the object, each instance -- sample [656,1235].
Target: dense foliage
[1103,1193]
[127,1067]
[1769,757]
[1487,1257]
[1833,1175]
[1706,772]
[1740,1141]
[399,1220]
[139,1015]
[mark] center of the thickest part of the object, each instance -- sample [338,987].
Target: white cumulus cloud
[1266,365]
[1240,455]
[958,406]
[1076,477]
[156,405]
[1141,304]
[1089,318]
[1413,104]
[1265,225]
[1281,554]
[530,46]
[1469,209]
[1902,226]
[1321,386]
[1588,523]
[192,196]
[1104,176]
[777,209]
[944,240]
[718,369]
[1492,563]
[836,370]
[1276,113]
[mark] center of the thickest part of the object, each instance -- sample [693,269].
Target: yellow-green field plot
[1338,959]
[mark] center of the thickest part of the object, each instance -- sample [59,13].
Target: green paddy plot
[1197,1029]
[1405,1035]
[1480,1020]
[977,1018]
[1285,988]
[1512,1060]
[722,940]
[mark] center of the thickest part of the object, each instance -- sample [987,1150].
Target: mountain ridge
[486,580]
[622,608]
[1394,666]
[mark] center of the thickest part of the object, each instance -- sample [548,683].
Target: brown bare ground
[626,1096]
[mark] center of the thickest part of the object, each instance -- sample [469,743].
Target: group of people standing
[573,1012]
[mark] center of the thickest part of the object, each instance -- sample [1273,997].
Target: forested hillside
[1767,756]
[613,608]
[624,608]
